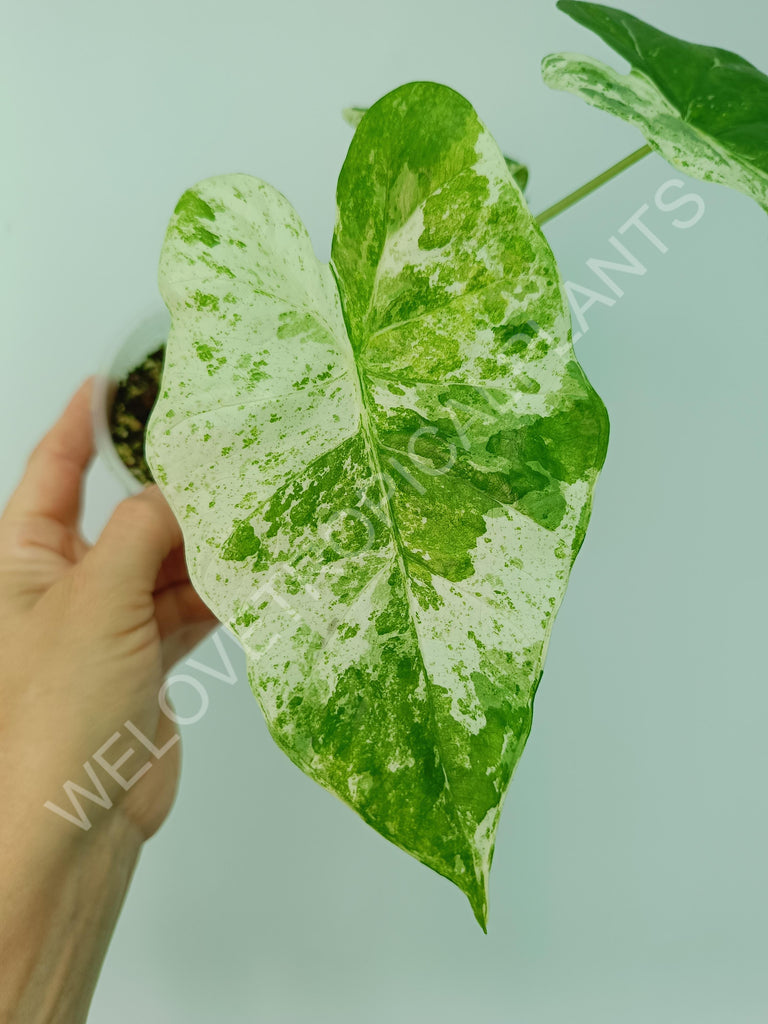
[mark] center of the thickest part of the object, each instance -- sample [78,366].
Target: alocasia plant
[383,465]
[704,109]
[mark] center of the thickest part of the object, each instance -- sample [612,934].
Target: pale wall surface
[630,881]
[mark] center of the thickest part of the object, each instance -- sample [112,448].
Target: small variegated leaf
[354,115]
[518,171]
[383,466]
[704,109]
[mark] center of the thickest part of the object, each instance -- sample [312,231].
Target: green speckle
[204,300]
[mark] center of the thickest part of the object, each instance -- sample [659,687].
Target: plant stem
[595,183]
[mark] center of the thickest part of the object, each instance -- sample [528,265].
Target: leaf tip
[573,7]
[478,900]
[475,888]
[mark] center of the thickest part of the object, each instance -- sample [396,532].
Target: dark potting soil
[134,399]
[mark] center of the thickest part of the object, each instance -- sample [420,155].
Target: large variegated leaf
[383,466]
[705,110]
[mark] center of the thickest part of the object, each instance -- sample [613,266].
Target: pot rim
[143,335]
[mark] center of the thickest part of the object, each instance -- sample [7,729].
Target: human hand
[86,637]
[87,634]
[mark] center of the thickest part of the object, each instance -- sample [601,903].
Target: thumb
[139,536]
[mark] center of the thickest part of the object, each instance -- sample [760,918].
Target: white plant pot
[134,345]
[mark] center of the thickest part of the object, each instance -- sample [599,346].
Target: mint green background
[630,880]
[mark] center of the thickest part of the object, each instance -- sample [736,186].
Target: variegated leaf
[383,466]
[704,109]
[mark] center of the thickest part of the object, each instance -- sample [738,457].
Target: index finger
[52,482]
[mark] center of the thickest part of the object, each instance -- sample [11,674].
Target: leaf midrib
[372,447]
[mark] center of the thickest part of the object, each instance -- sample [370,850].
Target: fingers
[52,482]
[177,647]
[180,606]
[133,546]
[183,620]
[139,556]
[173,570]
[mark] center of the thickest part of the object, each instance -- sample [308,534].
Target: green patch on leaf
[242,543]
[190,211]
[354,115]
